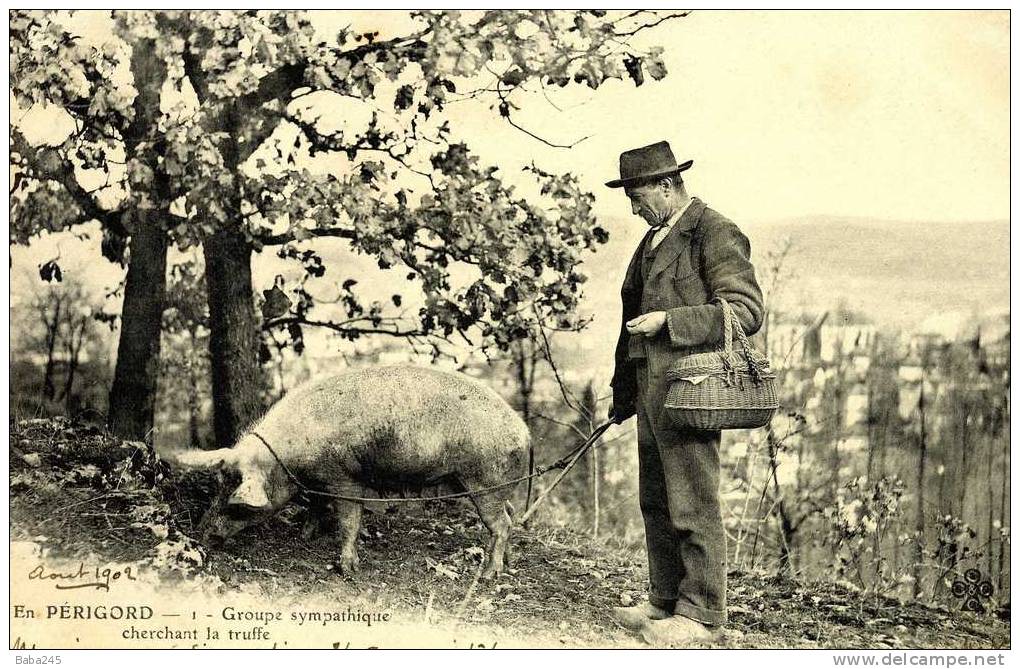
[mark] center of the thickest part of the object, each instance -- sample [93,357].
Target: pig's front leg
[319,519]
[348,518]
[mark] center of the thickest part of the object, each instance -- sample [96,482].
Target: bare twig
[568,396]
[563,423]
[646,26]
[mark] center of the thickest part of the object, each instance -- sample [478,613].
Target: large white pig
[370,431]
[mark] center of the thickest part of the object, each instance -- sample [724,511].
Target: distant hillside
[896,273]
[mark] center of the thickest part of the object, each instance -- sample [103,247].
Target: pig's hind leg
[492,508]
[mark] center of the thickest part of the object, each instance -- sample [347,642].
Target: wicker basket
[722,390]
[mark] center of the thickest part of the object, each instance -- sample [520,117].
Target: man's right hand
[619,419]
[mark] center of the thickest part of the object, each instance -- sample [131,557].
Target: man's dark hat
[648,162]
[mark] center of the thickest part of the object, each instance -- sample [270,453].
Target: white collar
[676,215]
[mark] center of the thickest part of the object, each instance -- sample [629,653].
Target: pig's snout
[213,535]
[214,540]
[217,528]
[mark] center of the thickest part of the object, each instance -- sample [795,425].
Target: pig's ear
[196,459]
[250,494]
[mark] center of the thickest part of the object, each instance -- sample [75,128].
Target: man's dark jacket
[703,257]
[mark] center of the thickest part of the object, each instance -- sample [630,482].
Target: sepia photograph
[510,329]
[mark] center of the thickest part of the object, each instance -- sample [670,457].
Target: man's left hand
[648,324]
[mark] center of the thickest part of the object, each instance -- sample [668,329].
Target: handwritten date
[98,577]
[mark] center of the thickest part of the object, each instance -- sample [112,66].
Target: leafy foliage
[52,66]
[862,514]
[255,95]
[96,170]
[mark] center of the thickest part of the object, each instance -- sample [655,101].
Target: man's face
[649,202]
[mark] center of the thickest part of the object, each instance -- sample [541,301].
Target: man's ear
[251,494]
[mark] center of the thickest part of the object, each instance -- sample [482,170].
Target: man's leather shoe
[635,617]
[675,632]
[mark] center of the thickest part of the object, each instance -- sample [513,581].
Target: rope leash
[565,463]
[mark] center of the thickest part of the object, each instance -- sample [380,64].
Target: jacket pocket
[637,348]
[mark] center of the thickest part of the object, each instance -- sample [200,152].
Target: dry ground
[76,493]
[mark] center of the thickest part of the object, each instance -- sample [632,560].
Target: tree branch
[342,326]
[568,396]
[47,164]
[282,82]
[334,142]
[562,423]
[287,237]
[504,111]
[646,26]
[277,85]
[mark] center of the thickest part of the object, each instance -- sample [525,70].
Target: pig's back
[417,416]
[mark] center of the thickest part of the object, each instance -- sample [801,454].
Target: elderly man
[690,256]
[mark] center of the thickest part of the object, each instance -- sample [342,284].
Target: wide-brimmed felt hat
[648,162]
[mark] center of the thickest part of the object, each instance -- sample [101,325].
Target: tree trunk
[233,335]
[525,358]
[49,390]
[990,475]
[133,395]
[1004,470]
[135,378]
[919,518]
[838,412]
[876,540]
[76,339]
[787,528]
[194,410]
[596,475]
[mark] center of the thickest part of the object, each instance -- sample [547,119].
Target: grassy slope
[421,559]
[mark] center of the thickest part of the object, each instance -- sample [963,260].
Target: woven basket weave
[722,390]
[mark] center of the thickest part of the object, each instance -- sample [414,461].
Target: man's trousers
[679,496]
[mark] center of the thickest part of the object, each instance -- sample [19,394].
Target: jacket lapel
[632,280]
[678,238]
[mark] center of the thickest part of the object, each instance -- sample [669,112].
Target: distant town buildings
[827,366]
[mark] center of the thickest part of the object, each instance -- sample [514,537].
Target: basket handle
[731,325]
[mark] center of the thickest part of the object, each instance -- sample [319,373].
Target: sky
[883,115]
[880,114]
[891,115]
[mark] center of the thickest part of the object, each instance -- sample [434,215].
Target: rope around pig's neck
[566,462]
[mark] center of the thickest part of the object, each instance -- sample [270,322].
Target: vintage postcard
[509,328]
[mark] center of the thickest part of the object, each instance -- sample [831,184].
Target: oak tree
[268,88]
[221,122]
[108,95]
